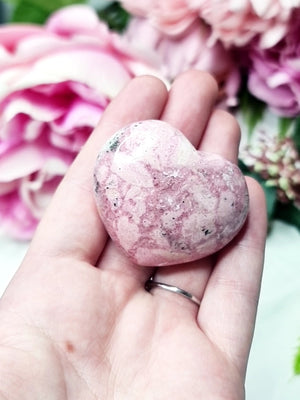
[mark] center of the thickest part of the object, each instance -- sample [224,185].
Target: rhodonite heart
[162,201]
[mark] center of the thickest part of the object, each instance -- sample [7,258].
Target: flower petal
[16,218]
[27,159]
[10,35]
[33,105]
[85,64]
[79,114]
[73,19]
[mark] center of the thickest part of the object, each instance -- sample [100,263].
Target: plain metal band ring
[170,288]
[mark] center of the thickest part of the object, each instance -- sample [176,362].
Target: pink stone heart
[162,201]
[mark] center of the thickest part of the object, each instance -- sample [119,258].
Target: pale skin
[76,322]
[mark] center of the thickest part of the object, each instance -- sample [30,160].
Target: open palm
[76,321]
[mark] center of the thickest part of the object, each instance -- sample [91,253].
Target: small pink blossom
[274,75]
[189,50]
[277,161]
[55,82]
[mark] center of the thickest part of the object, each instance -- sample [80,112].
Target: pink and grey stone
[162,201]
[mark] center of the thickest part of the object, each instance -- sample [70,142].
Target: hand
[76,322]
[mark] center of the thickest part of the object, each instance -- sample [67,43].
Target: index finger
[71,224]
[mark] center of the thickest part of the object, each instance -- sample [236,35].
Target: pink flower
[169,16]
[189,50]
[274,76]
[236,22]
[55,82]
[277,161]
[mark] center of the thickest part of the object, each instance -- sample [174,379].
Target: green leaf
[288,213]
[26,13]
[296,134]
[271,199]
[284,126]
[37,11]
[243,167]
[252,110]
[46,5]
[297,362]
[115,16]
[4,12]
[12,2]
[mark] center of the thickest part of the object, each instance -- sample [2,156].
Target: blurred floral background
[62,62]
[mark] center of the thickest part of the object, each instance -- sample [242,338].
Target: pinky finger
[228,310]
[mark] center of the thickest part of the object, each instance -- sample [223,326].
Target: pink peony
[236,22]
[55,82]
[189,50]
[169,16]
[274,76]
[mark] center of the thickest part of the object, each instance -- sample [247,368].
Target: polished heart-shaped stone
[162,201]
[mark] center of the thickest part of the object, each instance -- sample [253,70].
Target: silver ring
[150,284]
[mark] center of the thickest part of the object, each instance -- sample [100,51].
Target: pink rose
[189,50]
[274,75]
[236,22]
[55,82]
[170,16]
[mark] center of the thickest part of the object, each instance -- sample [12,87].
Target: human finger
[228,309]
[222,135]
[191,101]
[71,225]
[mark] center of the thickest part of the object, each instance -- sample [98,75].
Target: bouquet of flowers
[62,62]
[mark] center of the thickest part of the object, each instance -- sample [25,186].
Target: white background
[270,370]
